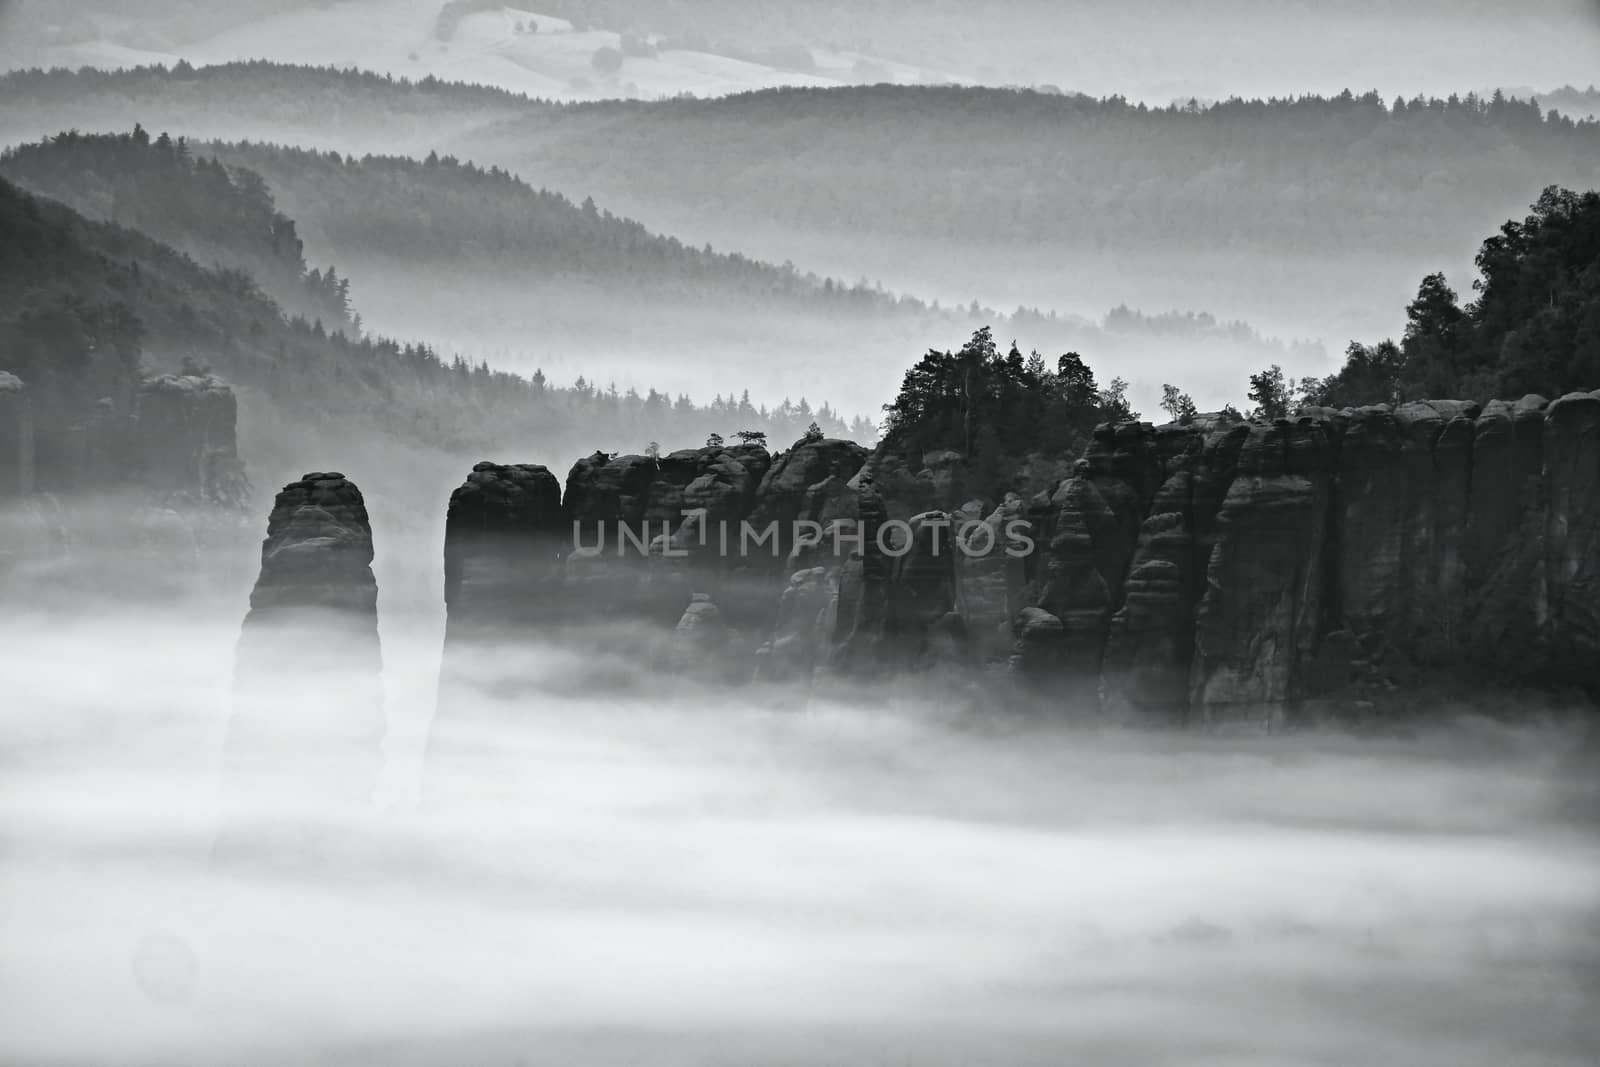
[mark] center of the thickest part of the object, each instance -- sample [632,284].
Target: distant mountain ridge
[215,214]
[1017,166]
[78,292]
[1153,50]
[1031,166]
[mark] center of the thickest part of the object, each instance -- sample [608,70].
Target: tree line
[1532,327]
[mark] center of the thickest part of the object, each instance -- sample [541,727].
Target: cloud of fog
[674,874]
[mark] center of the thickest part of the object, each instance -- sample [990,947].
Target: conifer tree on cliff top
[1533,328]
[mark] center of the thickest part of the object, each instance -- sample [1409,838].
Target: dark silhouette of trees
[997,410]
[1533,328]
[84,305]
[1178,405]
[1272,393]
[216,214]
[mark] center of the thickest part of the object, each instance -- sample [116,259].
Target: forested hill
[445,210]
[997,165]
[220,203]
[474,260]
[1577,103]
[1532,327]
[1309,173]
[71,287]
[216,215]
[350,110]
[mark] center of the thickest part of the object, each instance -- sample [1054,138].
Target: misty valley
[629,532]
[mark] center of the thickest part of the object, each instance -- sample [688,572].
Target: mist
[608,867]
[1277,744]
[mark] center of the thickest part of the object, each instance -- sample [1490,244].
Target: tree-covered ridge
[349,109]
[86,303]
[444,208]
[998,410]
[1533,327]
[1309,173]
[1347,172]
[1570,100]
[217,204]
[474,258]
[354,85]
[215,214]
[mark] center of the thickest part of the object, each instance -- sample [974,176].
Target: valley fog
[617,867]
[736,532]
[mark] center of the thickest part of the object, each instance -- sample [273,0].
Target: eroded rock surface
[1217,573]
[307,721]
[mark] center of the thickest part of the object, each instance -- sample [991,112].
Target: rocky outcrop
[308,706]
[317,559]
[1144,673]
[650,531]
[142,493]
[696,547]
[16,439]
[991,574]
[506,534]
[1503,548]
[803,633]
[1217,573]
[1257,623]
[173,434]
[1572,535]
[187,436]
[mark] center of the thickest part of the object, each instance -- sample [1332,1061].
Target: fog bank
[682,875]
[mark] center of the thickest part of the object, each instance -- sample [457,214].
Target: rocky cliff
[186,437]
[1218,573]
[16,438]
[169,434]
[308,707]
[142,493]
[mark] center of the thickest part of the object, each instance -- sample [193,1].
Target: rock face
[1572,534]
[651,531]
[308,705]
[697,546]
[1257,622]
[174,433]
[317,559]
[143,492]
[1219,574]
[16,439]
[187,435]
[728,523]
[505,536]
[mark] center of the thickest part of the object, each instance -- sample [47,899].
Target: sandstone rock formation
[1216,573]
[505,536]
[170,434]
[187,436]
[1266,574]
[16,439]
[307,720]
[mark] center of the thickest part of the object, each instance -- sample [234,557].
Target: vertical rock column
[1145,672]
[1572,536]
[308,722]
[505,536]
[1258,621]
[1504,548]
[16,438]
